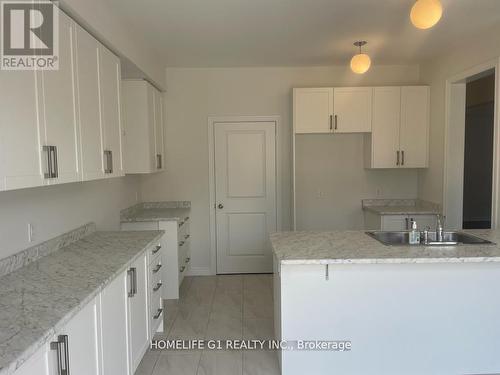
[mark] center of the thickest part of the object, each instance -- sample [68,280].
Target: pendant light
[361,62]
[426,13]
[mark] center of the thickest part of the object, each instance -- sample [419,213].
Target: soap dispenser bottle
[414,233]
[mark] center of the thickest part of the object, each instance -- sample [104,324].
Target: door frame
[212,120]
[450,182]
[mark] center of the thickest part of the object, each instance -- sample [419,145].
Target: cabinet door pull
[108,155]
[336,122]
[183,268]
[157,268]
[158,161]
[158,314]
[188,260]
[181,243]
[156,249]
[331,122]
[397,157]
[61,346]
[407,223]
[135,280]
[48,161]
[157,287]
[130,275]
[54,160]
[403,157]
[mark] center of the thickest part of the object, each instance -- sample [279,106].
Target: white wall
[469,53]
[332,181]
[194,94]
[54,210]
[106,24]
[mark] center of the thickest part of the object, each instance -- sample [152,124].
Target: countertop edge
[389,260]
[28,353]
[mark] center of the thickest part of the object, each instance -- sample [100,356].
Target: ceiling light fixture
[361,62]
[426,13]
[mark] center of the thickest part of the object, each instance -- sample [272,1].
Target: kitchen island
[403,310]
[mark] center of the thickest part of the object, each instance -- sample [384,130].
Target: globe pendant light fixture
[426,13]
[361,62]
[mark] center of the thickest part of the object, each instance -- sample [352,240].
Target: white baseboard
[199,271]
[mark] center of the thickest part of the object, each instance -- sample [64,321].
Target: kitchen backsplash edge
[31,254]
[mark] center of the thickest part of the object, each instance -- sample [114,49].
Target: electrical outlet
[31,233]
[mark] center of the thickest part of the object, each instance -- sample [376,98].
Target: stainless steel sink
[449,239]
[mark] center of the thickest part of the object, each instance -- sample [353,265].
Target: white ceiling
[205,33]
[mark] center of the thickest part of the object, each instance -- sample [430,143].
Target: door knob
[220,206]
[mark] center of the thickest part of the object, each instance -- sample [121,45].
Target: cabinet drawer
[156,310]
[154,254]
[155,280]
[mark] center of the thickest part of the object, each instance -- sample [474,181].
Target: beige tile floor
[217,307]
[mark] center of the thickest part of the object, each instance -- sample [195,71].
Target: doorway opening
[472,169]
[478,151]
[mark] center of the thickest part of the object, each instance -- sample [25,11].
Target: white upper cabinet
[158,96]
[144,127]
[20,157]
[89,117]
[56,90]
[352,108]
[400,132]
[109,78]
[414,132]
[313,110]
[385,127]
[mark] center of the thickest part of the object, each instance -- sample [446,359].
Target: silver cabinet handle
[55,166]
[336,122]
[183,268]
[186,218]
[156,249]
[48,161]
[158,161]
[188,260]
[157,286]
[157,268]
[397,157]
[61,346]
[403,157]
[407,223]
[133,280]
[181,243]
[108,155]
[158,314]
[187,236]
[331,122]
[181,224]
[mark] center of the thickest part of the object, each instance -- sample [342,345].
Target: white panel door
[20,164]
[414,126]
[109,77]
[245,175]
[313,110]
[138,312]
[158,116]
[114,323]
[352,109]
[83,332]
[57,91]
[385,127]
[87,66]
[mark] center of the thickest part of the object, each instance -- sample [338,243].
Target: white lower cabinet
[40,363]
[138,311]
[114,316]
[175,244]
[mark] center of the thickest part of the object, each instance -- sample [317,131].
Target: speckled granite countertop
[400,207]
[156,214]
[39,298]
[156,211]
[357,247]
